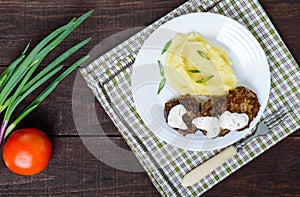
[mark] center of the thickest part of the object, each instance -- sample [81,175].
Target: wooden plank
[74,170]
[29,21]
[285,16]
[56,114]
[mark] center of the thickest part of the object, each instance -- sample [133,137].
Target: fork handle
[208,166]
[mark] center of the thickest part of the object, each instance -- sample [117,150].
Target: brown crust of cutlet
[193,107]
[215,106]
[238,100]
[243,100]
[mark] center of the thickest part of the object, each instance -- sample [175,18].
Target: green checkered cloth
[109,79]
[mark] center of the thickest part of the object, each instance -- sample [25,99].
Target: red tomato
[27,151]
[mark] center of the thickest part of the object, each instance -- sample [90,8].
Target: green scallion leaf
[6,74]
[57,61]
[27,63]
[16,82]
[44,94]
[161,69]
[194,71]
[161,85]
[167,45]
[17,101]
[204,79]
[202,54]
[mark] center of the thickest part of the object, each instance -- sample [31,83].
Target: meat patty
[215,107]
[243,100]
[238,100]
[192,105]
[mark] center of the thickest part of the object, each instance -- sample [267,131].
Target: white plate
[249,63]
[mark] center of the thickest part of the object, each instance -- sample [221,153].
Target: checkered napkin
[109,79]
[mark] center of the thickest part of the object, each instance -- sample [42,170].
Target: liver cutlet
[193,107]
[238,100]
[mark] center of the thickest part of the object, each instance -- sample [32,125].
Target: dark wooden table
[73,169]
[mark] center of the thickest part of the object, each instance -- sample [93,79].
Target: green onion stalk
[17,82]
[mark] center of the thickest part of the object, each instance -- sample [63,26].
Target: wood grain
[29,21]
[66,174]
[73,170]
[285,16]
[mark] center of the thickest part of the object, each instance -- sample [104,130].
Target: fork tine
[272,115]
[275,120]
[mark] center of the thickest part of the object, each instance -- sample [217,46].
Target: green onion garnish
[167,45]
[203,55]
[16,81]
[161,69]
[161,85]
[204,79]
[194,71]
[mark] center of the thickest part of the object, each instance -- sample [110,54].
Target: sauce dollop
[209,124]
[233,121]
[175,117]
[228,120]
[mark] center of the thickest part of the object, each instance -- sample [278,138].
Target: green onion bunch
[17,80]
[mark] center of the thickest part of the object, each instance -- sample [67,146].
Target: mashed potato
[194,66]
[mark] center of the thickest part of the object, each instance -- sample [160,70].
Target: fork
[213,163]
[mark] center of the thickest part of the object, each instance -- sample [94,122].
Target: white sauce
[233,121]
[213,125]
[175,117]
[209,124]
[228,120]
